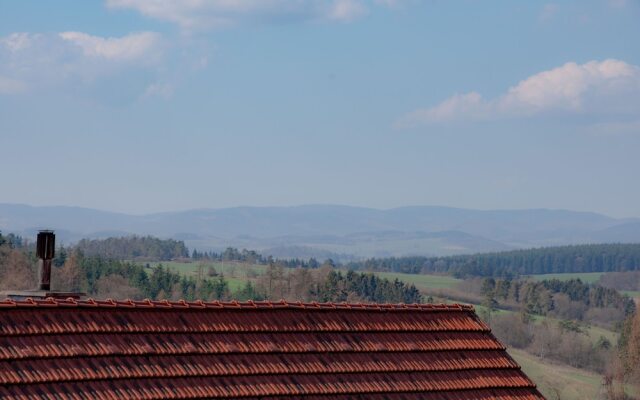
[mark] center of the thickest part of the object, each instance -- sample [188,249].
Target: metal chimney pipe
[45,250]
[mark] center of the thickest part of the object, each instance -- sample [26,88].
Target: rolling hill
[335,229]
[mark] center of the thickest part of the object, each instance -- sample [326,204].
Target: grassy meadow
[557,381]
[236,274]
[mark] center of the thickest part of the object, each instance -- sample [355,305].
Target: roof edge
[233,304]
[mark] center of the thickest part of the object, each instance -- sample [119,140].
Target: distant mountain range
[339,231]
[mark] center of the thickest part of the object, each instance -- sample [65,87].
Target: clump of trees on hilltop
[329,285]
[571,299]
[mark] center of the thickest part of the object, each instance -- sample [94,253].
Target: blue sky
[143,106]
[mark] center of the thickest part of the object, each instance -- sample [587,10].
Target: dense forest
[134,248]
[546,260]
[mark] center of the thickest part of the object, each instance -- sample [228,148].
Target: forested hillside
[546,260]
[134,247]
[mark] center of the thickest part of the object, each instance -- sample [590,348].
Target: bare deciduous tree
[116,287]
[16,271]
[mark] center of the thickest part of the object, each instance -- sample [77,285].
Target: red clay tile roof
[254,350]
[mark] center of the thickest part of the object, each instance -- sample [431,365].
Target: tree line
[546,260]
[134,247]
[253,257]
[149,248]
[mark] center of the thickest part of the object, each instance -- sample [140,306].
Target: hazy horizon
[317,205]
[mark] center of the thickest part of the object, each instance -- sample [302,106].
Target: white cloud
[30,61]
[133,47]
[469,104]
[193,15]
[596,87]
[17,41]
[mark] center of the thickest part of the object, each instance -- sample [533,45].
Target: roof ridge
[232,304]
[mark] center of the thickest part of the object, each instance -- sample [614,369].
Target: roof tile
[108,349]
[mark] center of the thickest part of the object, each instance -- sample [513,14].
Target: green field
[587,277]
[235,269]
[422,281]
[236,274]
[558,381]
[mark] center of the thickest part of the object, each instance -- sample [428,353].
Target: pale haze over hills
[334,230]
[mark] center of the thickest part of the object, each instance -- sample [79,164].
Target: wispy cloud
[195,15]
[31,61]
[596,87]
[135,47]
